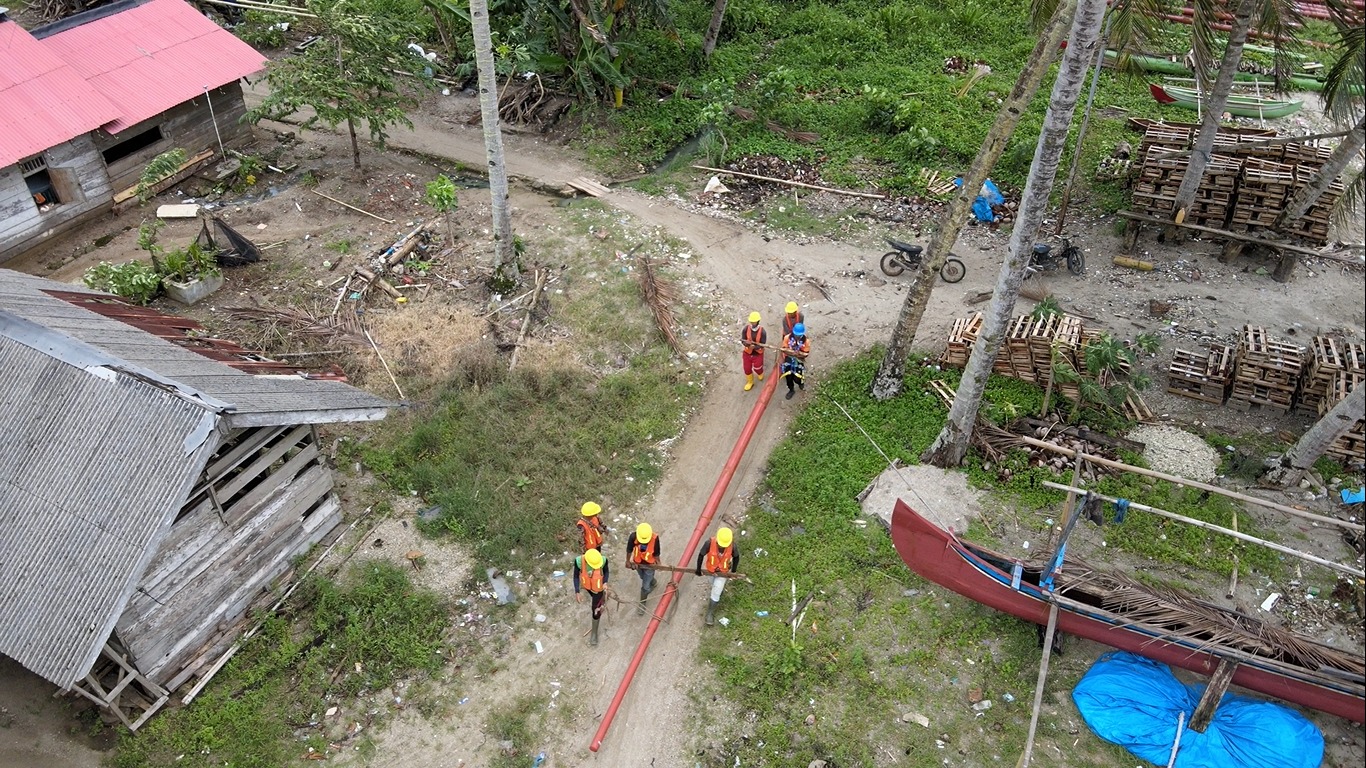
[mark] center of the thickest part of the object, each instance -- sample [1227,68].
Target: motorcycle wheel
[892,265]
[1076,262]
[952,271]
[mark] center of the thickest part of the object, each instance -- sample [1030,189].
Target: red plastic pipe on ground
[718,492]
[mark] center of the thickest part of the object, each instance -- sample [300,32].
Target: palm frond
[1342,85]
[1282,20]
[1040,11]
[1347,210]
[1202,38]
[1133,24]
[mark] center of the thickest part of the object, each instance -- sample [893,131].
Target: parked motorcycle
[907,256]
[1045,259]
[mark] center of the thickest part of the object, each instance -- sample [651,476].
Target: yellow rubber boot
[760,375]
[749,381]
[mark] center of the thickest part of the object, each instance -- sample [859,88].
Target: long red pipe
[718,492]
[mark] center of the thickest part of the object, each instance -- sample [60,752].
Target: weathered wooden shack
[87,101]
[156,481]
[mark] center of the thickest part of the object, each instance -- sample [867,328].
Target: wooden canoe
[1237,104]
[1165,66]
[1163,625]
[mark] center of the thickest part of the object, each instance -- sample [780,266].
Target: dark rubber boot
[790,393]
[593,636]
[640,607]
[711,612]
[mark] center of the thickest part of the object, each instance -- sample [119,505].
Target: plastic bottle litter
[982,705]
[539,648]
[557,575]
[1007,697]
[761,614]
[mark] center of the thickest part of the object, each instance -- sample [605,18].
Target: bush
[136,280]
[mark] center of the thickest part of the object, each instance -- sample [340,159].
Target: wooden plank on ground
[588,186]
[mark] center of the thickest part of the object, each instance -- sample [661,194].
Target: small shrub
[136,280]
[161,166]
[186,264]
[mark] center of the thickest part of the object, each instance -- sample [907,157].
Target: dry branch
[343,329]
[659,296]
[850,193]
[541,275]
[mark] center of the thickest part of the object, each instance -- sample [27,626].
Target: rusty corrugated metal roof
[43,102]
[150,56]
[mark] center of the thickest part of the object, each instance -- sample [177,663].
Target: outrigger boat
[1166,66]
[1237,104]
[1163,625]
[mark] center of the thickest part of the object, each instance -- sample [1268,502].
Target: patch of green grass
[363,633]
[516,723]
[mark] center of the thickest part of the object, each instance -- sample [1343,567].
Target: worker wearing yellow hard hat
[590,526]
[590,575]
[753,337]
[791,317]
[642,553]
[720,559]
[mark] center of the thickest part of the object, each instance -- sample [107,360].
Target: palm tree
[504,253]
[890,374]
[1276,17]
[1343,100]
[1317,440]
[718,12]
[948,449]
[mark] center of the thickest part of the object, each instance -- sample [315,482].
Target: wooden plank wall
[187,126]
[23,227]
[211,567]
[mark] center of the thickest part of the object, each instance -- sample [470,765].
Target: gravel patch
[1177,452]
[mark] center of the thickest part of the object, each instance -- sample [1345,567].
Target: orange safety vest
[751,335]
[645,554]
[717,560]
[790,342]
[589,578]
[789,321]
[592,534]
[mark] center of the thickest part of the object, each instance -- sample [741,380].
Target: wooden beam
[1104,462]
[1275,244]
[1220,529]
[290,418]
[1214,692]
[1038,686]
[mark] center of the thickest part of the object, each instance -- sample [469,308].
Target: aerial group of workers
[792,353]
[719,558]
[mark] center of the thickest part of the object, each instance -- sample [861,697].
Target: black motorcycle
[1045,259]
[907,256]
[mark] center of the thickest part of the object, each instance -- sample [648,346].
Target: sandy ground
[737,269]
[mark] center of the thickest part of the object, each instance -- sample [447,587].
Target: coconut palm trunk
[718,13]
[1308,194]
[888,381]
[948,449]
[504,255]
[1337,421]
[1213,105]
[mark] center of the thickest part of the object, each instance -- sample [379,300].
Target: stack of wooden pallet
[1266,373]
[1350,447]
[1160,178]
[961,338]
[1306,154]
[1313,225]
[1014,358]
[1264,187]
[1203,376]
[1158,181]
[1329,357]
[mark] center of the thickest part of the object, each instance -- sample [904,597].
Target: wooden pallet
[1266,372]
[962,336]
[1328,357]
[1205,377]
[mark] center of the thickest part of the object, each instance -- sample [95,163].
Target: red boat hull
[1160,94]
[940,557]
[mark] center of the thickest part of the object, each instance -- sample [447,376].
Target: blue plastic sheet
[1135,702]
[981,206]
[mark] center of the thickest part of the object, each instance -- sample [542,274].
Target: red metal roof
[43,102]
[151,57]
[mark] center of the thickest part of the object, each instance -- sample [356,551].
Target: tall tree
[504,250]
[718,13]
[1275,17]
[948,449]
[349,77]
[889,378]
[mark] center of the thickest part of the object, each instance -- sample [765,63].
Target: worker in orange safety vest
[795,349]
[590,575]
[718,557]
[590,526]
[642,552]
[791,317]
[753,337]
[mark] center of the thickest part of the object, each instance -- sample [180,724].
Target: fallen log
[804,185]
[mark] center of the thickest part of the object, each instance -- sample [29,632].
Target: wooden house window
[132,144]
[39,183]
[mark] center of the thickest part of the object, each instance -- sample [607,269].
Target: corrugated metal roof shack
[87,101]
[152,484]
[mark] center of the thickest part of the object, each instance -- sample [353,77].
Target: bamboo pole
[382,362]
[1038,686]
[1219,529]
[850,193]
[1104,462]
[352,207]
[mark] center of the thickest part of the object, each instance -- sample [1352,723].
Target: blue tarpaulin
[1135,702]
[989,196]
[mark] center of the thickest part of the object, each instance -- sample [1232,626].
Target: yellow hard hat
[589,509]
[754,317]
[644,533]
[593,558]
[791,308]
[724,537]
